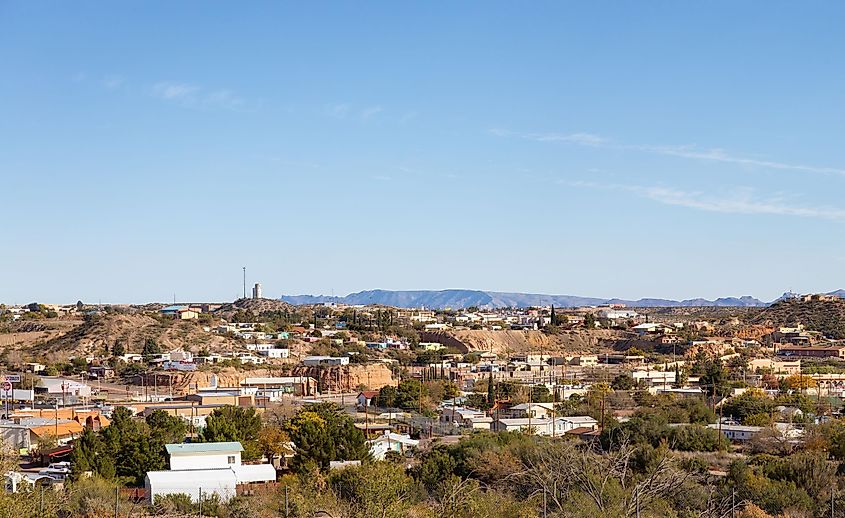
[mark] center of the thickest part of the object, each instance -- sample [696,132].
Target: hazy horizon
[625,150]
[181,300]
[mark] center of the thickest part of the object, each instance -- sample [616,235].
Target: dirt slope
[332,379]
[132,330]
[826,316]
[508,342]
[256,306]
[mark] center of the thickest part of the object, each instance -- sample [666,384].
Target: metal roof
[203,447]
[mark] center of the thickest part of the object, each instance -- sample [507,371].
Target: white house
[557,426]
[400,443]
[617,314]
[275,353]
[277,387]
[190,456]
[365,398]
[313,361]
[541,410]
[59,387]
[461,416]
[737,433]
[577,421]
[479,423]
[200,469]
[181,355]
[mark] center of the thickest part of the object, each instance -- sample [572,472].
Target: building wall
[203,461]
[224,489]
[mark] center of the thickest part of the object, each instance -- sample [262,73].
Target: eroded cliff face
[348,378]
[508,342]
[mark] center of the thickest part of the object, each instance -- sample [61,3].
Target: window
[231,459]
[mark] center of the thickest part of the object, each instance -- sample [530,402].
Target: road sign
[6,386]
[11,378]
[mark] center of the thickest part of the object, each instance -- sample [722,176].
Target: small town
[479,259]
[197,406]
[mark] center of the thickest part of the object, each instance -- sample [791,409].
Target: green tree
[623,382]
[540,394]
[151,348]
[386,397]
[118,349]
[165,428]
[714,378]
[129,443]
[697,438]
[374,489]
[321,433]
[434,467]
[90,454]
[234,423]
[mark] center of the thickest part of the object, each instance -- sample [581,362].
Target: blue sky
[616,149]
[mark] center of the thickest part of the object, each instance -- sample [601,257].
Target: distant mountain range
[493,299]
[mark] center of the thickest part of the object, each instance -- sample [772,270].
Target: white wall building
[187,456]
[400,443]
[275,353]
[202,469]
[312,361]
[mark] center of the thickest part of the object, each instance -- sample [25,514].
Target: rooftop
[203,447]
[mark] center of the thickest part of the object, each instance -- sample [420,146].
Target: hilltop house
[181,312]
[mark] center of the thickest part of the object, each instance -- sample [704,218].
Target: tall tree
[165,428]
[323,432]
[234,423]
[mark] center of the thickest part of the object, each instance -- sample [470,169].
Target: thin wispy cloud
[369,113]
[193,96]
[112,82]
[338,111]
[342,111]
[688,152]
[740,201]
[174,91]
[408,117]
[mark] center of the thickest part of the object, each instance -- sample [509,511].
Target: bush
[697,438]
[172,504]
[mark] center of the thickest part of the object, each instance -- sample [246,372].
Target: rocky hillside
[132,330]
[509,342]
[331,379]
[826,316]
[255,306]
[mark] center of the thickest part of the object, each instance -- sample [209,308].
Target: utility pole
[733,503]
[116,502]
[287,511]
[244,281]
[530,411]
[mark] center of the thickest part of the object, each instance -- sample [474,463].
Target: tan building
[785,367]
[813,351]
